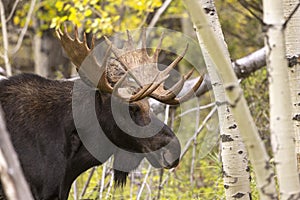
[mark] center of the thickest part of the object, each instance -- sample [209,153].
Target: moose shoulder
[40,119]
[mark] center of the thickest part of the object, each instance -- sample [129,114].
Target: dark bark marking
[226,138]
[297,117]
[238,195]
[234,126]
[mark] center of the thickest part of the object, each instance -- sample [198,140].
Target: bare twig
[12,10]
[13,181]
[87,183]
[5,40]
[188,144]
[170,123]
[159,12]
[197,132]
[24,29]
[102,181]
[198,108]
[110,185]
[291,15]
[160,187]
[75,190]
[197,117]
[144,182]
[131,185]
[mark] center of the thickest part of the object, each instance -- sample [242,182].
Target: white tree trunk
[293,52]
[5,55]
[40,57]
[235,99]
[282,134]
[12,178]
[233,151]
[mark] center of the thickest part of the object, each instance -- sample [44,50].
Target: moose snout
[169,160]
[171,154]
[166,157]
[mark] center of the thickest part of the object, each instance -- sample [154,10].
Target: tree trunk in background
[12,178]
[49,57]
[236,100]
[233,152]
[41,59]
[282,134]
[293,52]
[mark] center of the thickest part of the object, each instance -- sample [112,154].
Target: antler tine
[103,84]
[179,85]
[158,48]
[185,97]
[176,61]
[129,43]
[118,52]
[75,32]
[75,49]
[144,39]
[153,86]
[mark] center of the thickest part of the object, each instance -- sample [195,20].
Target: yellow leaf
[59,5]
[67,7]
[16,20]
[88,12]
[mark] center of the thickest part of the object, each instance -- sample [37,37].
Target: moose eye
[134,108]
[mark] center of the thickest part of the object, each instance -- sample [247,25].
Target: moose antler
[144,69]
[77,51]
[134,64]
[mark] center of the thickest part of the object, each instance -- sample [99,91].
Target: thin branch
[5,40]
[110,184]
[159,12]
[291,15]
[160,186]
[75,190]
[144,182]
[197,132]
[24,29]
[12,10]
[87,183]
[198,108]
[102,181]
[247,6]
[197,122]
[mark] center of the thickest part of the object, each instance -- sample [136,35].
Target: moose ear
[124,162]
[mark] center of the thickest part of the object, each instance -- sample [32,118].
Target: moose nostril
[169,160]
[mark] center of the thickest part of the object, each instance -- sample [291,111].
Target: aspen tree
[282,134]
[233,151]
[235,99]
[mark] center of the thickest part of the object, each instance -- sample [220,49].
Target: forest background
[32,47]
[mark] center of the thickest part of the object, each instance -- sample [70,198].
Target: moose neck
[81,161]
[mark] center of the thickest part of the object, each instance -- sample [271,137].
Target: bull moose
[40,117]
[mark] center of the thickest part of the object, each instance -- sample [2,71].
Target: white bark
[282,134]
[235,99]
[233,151]
[40,57]
[293,52]
[5,40]
[13,181]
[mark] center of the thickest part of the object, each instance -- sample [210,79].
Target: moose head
[124,80]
